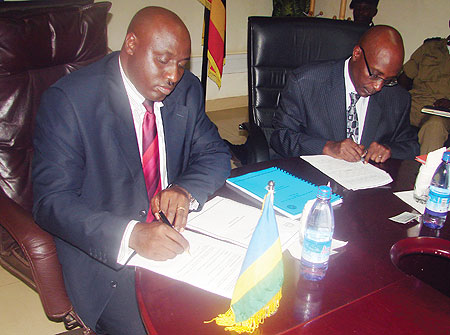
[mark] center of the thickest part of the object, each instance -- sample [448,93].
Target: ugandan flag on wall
[257,292]
[216,38]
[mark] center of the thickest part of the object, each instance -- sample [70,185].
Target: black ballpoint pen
[165,220]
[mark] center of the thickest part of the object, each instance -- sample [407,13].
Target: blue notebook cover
[291,193]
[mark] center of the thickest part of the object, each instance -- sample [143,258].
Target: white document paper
[408,197]
[351,175]
[232,221]
[211,265]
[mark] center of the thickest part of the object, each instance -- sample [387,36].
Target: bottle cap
[446,156]
[324,192]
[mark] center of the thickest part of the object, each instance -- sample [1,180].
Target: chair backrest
[39,45]
[34,4]
[426,258]
[277,45]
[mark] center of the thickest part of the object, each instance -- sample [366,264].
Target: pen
[167,222]
[364,155]
[365,151]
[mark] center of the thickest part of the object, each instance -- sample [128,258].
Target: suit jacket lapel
[373,118]
[335,104]
[124,131]
[175,117]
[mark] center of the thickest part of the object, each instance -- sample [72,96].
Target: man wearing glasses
[349,109]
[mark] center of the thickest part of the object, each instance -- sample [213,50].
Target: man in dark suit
[89,186]
[349,109]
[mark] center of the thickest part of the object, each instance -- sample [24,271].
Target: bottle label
[438,200]
[316,251]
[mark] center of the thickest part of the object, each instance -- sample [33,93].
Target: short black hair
[369,2]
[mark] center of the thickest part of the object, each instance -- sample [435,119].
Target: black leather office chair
[277,45]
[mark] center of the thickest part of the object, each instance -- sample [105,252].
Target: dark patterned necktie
[352,118]
[150,154]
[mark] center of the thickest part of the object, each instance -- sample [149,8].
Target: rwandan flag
[257,293]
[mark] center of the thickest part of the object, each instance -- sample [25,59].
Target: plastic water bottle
[438,196]
[318,235]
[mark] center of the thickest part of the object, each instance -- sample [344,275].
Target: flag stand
[204,78]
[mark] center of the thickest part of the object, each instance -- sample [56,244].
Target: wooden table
[362,292]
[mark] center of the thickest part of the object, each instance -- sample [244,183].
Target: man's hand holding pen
[159,240]
[347,150]
[350,151]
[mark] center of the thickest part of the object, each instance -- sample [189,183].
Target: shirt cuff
[193,204]
[125,251]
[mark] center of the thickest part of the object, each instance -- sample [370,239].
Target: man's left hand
[445,103]
[174,202]
[378,153]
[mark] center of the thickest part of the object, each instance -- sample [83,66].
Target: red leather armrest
[39,248]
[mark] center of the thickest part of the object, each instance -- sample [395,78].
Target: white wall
[415,19]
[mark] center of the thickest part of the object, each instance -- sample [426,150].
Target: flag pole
[205,51]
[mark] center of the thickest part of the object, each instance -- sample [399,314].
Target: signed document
[352,175]
[211,264]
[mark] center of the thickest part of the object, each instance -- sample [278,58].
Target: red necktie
[150,154]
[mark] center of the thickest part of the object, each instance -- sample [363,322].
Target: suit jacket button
[143,213]
[113,284]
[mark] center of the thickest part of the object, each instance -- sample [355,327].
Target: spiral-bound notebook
[291,193]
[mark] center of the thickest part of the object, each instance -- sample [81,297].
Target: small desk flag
[257,293]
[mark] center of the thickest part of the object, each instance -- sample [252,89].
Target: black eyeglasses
[386,82]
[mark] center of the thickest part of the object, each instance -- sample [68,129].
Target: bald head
[156,49]
[385,43]
[148,17]
[376,59]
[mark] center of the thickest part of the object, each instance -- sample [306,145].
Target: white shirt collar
[349,87]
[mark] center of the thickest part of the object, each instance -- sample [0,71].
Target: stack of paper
[351,175]
[234,222]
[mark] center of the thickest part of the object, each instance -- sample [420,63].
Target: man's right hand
[157,241]
[347,150]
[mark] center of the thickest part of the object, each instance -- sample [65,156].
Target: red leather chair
[40,41]
[426,258]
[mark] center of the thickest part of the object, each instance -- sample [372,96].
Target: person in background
[427,75]
[115,143]
[349,109]
[364,11]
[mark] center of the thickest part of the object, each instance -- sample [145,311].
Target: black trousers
[121,316]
